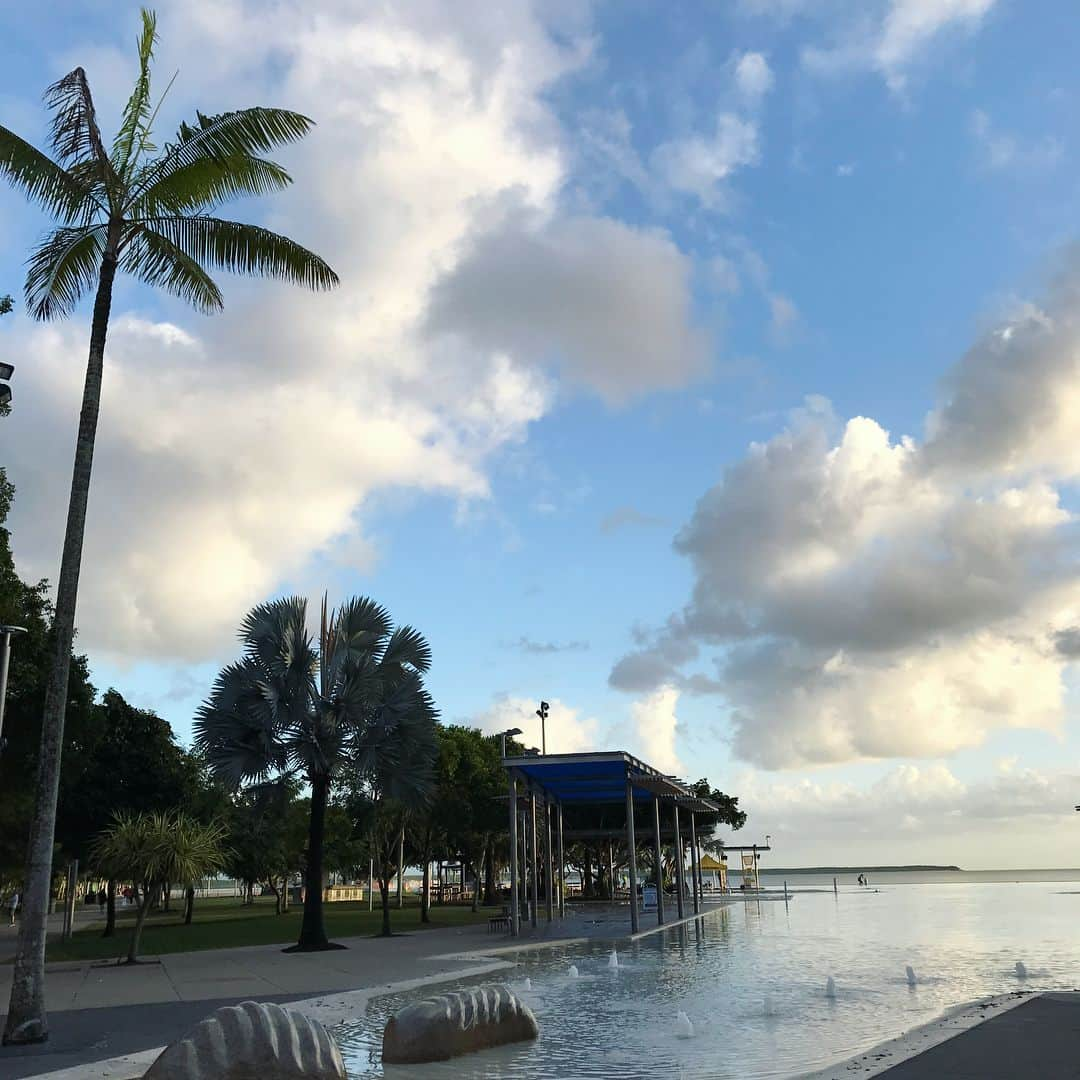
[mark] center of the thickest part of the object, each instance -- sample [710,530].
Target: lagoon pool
[752,977]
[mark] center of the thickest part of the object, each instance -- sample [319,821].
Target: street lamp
[6,633]
[542,712]
[504,735]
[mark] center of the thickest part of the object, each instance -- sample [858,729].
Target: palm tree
[149,849]
[150,214]
[351,706]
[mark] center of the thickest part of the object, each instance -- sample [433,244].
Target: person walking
[102,896]
[13,906]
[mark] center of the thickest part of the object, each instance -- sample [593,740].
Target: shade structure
[599,778]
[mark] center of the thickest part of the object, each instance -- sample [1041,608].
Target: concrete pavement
[1041,1038]
[101,1010]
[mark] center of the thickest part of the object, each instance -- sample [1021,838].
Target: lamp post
[542,712]
[509,733]
[6,633]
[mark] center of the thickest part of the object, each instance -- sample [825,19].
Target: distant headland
[854,869]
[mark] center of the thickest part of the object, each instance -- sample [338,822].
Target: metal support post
[533,866]
[695,869]
[658,855]
[562,867]
[611,871]
[371,885]
[631,846]
[680,876]
[515,909]
[549,863]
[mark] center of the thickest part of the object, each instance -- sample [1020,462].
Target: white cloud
[876,597]
[655,726]
[784,316]
[927,813]
[237,452]
[568,731]
[698,165]
[999,150]
[892,36]
[846,168]
[549,292]
[753,77]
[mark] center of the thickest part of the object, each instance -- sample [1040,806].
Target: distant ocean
[846,878]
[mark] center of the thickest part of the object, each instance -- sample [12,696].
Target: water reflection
[750,984]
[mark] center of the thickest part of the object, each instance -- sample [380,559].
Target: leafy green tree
[351,706]
[150,214]
[5,305]
[471,778]
[149,849]
[27,604]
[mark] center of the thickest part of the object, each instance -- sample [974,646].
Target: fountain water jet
[1021,969]
[528,983]
[911,980]
[573,972]
[830,988]
[613,959]
[683,1026]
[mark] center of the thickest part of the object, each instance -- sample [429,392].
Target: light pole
[509,733]
[6,633]
[542,712]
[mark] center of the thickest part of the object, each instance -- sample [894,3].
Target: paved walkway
[100,1010]
[1038,1038]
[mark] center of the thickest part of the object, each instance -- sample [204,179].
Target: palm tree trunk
[384,891]
[110,909]
[26,1019]
[140,920]
[189,904]
[425,891]
[489,875]
[313,927]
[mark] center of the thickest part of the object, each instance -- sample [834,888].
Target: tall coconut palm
[350,705]
[134,209]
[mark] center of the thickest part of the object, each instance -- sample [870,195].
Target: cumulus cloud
[238,451]
[611,304]
[928,813]
[890,36]
[753,77]
[699,164]
[655,726]
[863,596]
[568,731]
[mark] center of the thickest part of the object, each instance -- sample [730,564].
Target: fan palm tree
[134,209]
[149,849]
[350,705]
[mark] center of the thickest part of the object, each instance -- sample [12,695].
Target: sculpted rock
[454,1024]
[252,1041]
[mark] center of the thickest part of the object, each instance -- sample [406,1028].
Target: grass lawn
[223,922]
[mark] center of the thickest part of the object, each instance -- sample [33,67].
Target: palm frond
[207,182]
[245,249]
[133,135]
[157,261]
[245,132]
[60,192]
[407,647]
[74,132]
[62,268]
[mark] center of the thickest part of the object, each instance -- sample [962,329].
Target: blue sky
[589,255]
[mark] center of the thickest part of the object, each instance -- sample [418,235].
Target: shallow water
[752,980]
